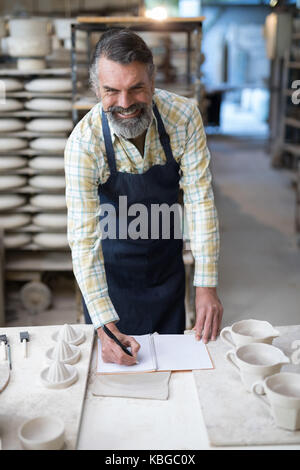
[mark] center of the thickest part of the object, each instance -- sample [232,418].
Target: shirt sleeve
[200,211]
[84,235]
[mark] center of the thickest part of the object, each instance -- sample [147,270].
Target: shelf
[294,65]
[31,114]
[34,135]
[22,73]
[35,247]
[293,122]
[28,171]
[42,94]
[29,209]
[31,190]
[292,148]
[31,152]
[31,228]
[137,20]
[57,259]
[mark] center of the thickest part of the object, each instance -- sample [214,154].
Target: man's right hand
[111,351]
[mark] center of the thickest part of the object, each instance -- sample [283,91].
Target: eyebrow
[136,85]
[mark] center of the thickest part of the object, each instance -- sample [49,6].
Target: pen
[113,337]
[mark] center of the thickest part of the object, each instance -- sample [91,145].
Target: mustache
[130,109]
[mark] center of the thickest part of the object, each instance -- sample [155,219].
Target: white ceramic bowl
[42,433]
[32,47]
[27,28]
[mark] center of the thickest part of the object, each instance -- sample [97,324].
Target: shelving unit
[286,151]
[29,262]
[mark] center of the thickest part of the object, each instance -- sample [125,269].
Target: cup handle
[259,395]
[229,356]
[226,334]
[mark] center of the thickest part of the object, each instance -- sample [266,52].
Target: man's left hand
[209,312]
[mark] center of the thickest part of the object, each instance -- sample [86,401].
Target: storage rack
[286,151]
[192,88]
[31,261]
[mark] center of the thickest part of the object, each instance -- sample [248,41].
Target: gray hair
[123,46]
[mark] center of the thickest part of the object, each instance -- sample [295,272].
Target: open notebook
[162,353]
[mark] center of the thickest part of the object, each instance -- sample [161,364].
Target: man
[141,144]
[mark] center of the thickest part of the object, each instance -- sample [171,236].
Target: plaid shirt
[86,167]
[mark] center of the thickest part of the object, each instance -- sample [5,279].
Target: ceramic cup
[282,398]
[249,331]
[256,361]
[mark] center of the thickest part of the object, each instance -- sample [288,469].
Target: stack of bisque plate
[35,123]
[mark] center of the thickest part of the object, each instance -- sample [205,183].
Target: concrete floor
[259,274]
[259,261]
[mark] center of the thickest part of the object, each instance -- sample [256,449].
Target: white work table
[111,423]
[108,423]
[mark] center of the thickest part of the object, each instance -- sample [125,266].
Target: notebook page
[144,357]
[181,352]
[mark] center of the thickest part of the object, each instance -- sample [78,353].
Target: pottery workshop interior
[149,226]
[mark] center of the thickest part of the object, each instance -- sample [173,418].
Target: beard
[130,128]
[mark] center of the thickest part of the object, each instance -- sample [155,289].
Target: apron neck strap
[110,153]
[163,136]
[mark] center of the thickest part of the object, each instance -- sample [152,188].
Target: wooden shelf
[136,20]
[28,171]
[37,114]
[28,208]
[22,73]
[294,65]
[31,228]
[292,148]
[48,259]
[33,135]
[32,152]
[31,190]
[35,94]
[293,122]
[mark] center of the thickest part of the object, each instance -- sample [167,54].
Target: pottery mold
[64,352]
[59,375]
[69,334]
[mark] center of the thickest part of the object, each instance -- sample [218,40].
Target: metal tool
[24,338]
[4,341]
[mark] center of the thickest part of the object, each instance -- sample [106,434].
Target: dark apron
[145,277]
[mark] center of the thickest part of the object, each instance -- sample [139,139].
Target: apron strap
[163,136]
[110,153]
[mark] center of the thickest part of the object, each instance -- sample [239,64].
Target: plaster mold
[59,375]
